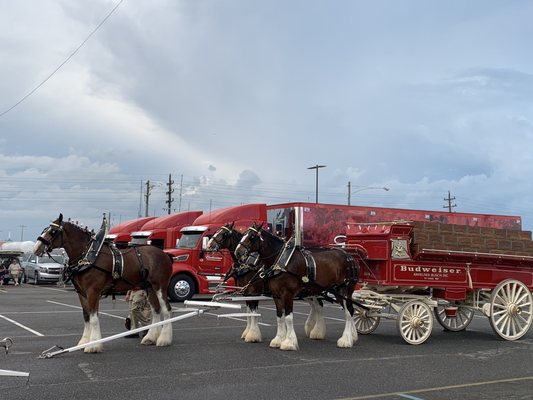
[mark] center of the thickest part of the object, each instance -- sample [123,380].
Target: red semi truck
[196,271]
[121,233]
[163,232]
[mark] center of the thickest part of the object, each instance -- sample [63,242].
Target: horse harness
[285,256]
[90,255]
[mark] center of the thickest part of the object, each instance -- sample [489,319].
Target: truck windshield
[189,240]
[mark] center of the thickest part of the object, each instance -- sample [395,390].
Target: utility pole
[181,191]
[22,232]
[170,199]
[147,197]
[139,213]
[316,167]
[449,200]
[349,192]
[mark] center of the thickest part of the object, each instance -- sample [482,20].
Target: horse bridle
[53,230]
[248,237]
[224,230]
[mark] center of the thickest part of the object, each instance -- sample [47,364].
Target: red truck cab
[121,234]
[163,232]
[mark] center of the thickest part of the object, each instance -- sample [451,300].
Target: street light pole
[316,167]
[361,189]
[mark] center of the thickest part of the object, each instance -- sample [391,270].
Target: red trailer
[416,269]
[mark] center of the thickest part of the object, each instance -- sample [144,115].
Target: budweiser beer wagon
[410,271]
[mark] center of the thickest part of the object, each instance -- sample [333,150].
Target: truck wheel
[182,287]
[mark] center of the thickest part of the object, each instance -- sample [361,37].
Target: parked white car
[44,268]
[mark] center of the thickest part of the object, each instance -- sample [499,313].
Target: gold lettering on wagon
[430,273]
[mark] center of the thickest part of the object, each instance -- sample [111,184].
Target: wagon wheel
[415,322]
[365,323]
[454,323]
[511,309]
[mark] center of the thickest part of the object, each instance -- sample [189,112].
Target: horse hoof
[93,349]
[163,342]
[289,346]
[344,344]
[147,341]
[252,339]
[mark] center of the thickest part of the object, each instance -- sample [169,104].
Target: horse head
[250,242]
[50,238]
[224,238]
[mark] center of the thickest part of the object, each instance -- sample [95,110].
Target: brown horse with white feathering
[145,266]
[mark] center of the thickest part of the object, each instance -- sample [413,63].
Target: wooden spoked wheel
[511,309]
[454,323]
[364,322]
[415,322]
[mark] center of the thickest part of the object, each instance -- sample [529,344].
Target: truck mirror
[205,240]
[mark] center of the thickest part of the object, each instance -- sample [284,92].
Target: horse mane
[79,228]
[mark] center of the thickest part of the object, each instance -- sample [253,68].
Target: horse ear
[232,224]
[60,219]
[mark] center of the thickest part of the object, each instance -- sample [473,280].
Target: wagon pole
[49,354]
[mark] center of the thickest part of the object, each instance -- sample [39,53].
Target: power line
[64,62]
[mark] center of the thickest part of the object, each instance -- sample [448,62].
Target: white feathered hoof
[345,342]
[244,333]
[276,342]
[289,345]
[253,337]
[148,341]
[97,348]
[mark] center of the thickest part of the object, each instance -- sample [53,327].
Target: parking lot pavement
[208,360]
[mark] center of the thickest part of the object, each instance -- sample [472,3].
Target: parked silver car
[44,268]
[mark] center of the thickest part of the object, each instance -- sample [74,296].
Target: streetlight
[316,167]
[363,188]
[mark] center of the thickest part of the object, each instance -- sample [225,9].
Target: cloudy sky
[237,98]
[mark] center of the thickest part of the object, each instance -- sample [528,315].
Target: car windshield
[189,240]
[53,259]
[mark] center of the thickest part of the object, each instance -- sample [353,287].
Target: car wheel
[36,279]
[182,287]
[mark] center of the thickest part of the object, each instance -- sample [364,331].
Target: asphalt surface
[208,360]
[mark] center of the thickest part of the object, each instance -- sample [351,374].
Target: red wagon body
[456,270]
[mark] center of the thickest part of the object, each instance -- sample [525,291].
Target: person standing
[3,271]
[140,310]
[15,270]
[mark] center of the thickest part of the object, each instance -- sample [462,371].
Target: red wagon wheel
[511,309]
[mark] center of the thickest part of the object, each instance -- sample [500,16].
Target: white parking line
[439,388]
[79,308]
[21,326]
